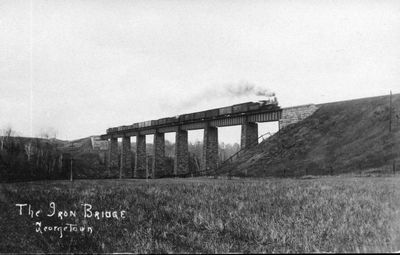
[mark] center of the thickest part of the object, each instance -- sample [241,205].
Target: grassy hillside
[330,214]
[340,137]
[82,145]
[87,162]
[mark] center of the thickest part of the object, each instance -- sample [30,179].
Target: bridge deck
[221,121]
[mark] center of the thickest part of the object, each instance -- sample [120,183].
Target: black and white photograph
[207,126]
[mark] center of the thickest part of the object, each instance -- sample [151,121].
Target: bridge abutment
[126,158]
[181,163]
[210,149]
[159,155]
[295,114]
[140,162]
[249,134]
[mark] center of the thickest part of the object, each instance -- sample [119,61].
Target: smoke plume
[244,88]
[242,91]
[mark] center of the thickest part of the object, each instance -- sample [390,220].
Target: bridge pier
[210,149]
[181,163]
[140,162]
[249,134]
[159,155]
[113,156]
[126,158]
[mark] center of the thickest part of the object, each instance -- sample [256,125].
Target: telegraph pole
[70,178]
[70,173]
[390,112]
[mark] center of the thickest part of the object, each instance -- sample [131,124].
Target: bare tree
[5,135]
[29,151]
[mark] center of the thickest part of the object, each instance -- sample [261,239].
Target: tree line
[29,158]
[46,158]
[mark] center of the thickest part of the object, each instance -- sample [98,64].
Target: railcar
[270,103]
[186,117]
[174,119]
[212,113]
[225,110]
[165,121]
[254,106]
[162,121]
[240,108]
[147,123]
[199,115]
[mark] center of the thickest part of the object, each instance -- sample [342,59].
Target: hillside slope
[77,147]
[341,136]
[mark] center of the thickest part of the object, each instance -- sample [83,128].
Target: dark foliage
[30,159]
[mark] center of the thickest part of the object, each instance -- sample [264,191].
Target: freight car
[186,117]
[212,113]
[147,123]
[166,121]
[112,130]
[162,121]
[199,115]
[225,111]
[238,109]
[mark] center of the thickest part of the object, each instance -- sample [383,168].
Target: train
[233,110]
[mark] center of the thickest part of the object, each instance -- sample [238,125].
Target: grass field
[329,214]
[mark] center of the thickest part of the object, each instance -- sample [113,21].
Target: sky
[78,67]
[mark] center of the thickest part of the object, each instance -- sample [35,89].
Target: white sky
[80,67]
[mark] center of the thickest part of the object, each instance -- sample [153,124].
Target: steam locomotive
[233,110]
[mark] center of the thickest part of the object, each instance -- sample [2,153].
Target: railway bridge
[247,115]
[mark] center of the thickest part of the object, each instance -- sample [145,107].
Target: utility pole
[70,174]
[390,112]
[71,170]
[120,166]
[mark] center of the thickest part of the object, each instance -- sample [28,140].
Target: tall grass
[331,214]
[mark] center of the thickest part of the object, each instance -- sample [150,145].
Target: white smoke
[242,90]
